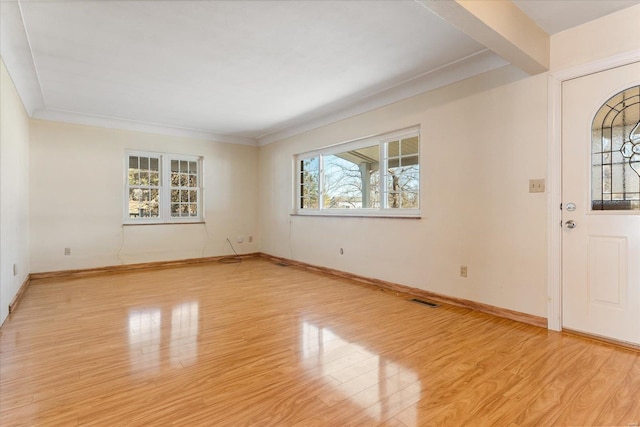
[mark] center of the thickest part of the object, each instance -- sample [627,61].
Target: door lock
[571,224]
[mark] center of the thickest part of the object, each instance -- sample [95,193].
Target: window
[615,153]
[163,188]
[375,176]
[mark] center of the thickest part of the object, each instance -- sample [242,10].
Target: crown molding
[132,125]
[470,66]
[15,51]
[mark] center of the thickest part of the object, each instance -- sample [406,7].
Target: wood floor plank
[623,407]
[259,344]
[554,396]
[586,404]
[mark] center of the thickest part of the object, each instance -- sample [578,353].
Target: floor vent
[282,264]
[427,303]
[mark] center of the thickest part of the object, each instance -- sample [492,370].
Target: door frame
[554,174]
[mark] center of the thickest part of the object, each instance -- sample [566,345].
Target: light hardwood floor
[259,344]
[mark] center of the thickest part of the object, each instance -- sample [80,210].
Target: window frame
[381,141]
[164,189]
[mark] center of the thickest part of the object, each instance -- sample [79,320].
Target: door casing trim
[554,174]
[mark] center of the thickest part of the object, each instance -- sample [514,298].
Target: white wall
[14,187]
[482,140]
[77,190]
[614,34]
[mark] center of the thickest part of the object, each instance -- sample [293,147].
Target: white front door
[601,204]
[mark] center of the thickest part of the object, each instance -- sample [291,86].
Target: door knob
[570,224]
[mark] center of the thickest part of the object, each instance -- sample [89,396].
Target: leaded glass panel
[615,153]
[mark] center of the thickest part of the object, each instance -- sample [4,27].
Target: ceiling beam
[500,26]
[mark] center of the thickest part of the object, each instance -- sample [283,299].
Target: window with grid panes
[376,176]
[185,192]
[163,188]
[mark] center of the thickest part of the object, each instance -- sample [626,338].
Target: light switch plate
[536,186]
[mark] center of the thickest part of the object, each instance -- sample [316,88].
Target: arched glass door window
[615,153]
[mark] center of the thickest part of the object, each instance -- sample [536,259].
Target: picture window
[376,176]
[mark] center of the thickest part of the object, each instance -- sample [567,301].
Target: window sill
[337,215]
[127,224]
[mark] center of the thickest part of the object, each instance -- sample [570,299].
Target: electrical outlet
[67,251]
[250,239]
[15,270]
[341,251]
[240,239]
[536,186]
[463,271]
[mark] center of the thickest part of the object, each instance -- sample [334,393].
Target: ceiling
[243,71]
[554,16]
